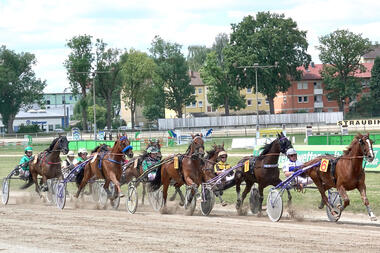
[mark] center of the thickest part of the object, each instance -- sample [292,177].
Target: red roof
[313,73]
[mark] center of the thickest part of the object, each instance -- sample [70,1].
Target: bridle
[196,148]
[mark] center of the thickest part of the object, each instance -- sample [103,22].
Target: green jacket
[149,162]
[25,159]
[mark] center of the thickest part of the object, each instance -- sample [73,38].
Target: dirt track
[28,225]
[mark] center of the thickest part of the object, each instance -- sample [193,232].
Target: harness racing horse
[134,167]
[48,163]
[348,174]
[107,164]
[188,170]
[262,170]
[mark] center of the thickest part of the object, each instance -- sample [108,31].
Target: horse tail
[79,177]
[29,183]
[156,183]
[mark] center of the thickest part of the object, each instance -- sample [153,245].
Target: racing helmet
[70,154]
[152,150]
[82,151]
[291,151]
[221,153]
[28,148]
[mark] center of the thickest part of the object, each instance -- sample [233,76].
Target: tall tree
[137,72]
[340,52]
[154,102]
[19,86]
[173,72]
[108,78]
[196,56]
[267,39]
[79,66]
[222,86]
[221,42]
[375,86]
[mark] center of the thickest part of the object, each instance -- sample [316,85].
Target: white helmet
[291,151]
[82,150]
[71,153]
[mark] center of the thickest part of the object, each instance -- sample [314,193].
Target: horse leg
[322,191]
[343,194]
[34,176]
[143,193]
[44,186]
[178,190]
[116,183]
[172,198]
[238,180]
[86,177]
[363,194]
[248,186]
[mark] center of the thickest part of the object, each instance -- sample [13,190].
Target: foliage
[154,102]
[222,89]
[340,52]
[28,129]
[375,79]
[137,73]
[267,39]
[196,57]
[78,66]
[108,78]
[100,115]
[19,86]
[173,74]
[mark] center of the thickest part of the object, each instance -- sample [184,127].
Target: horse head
[366,146]
[124,145]
[211,158]
[285,143]
[197,149]
[63,144]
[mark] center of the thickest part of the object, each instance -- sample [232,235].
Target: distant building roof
[195,78]
[372,54]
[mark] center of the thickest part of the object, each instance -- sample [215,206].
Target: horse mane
[50,148]
[349,149]
[210,153]
[101,147]
[266,148]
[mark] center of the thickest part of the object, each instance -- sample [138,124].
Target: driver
[150,160]
[292,165]
[219,168]
[24,162]
[82,156]
[68,164]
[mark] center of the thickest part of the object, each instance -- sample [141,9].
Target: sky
[43,27]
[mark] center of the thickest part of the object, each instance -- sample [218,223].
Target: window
[305,99]
[266,101]
[195,91]
[51,128]
[317,85]
[209,109]
[199,90]
[200,104]
[71,97]
[302,86]
[48,102]
[249,102]
[299,99]
[318,98]
[259,102]
[194,104]
[284,99]
[249,90]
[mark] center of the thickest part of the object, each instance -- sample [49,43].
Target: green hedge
[90,145]
[337,139]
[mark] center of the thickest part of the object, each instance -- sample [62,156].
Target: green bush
[28,129]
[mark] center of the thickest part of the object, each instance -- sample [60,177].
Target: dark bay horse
[262,170]
[48,163]
[134,166]
[349,173]
[107,164]
[189,170]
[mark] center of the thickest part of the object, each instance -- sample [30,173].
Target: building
[371,56]
[309,94]
[201,106]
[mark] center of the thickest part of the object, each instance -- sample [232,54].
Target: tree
[267,39]
[101,115]
[19,86]
[108,77]
[375,86]
[154,102]
[137,71]
[221,42]
[340,52]
[79,66]
[222,86]
[196,56]
[173,73]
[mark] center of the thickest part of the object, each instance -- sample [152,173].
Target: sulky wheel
[61,194]
[156,199]
[5,190]
[132,198]
[274,205]
[208,203]
[116,201]
[254,200]
[103,196]
[190,205]
[336,202]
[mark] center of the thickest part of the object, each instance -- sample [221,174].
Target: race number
[176,162]
[246,166]
[324,165]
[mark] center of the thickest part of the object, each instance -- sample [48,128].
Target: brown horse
[48,163]
[189,170]
[262,170]
[133,169]
[348,175]
[107,164]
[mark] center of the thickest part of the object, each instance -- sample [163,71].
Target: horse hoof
[373,218]
[181,203]
[121,195]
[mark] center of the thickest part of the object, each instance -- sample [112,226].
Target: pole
[64,108]
[94,106]
[257,102]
